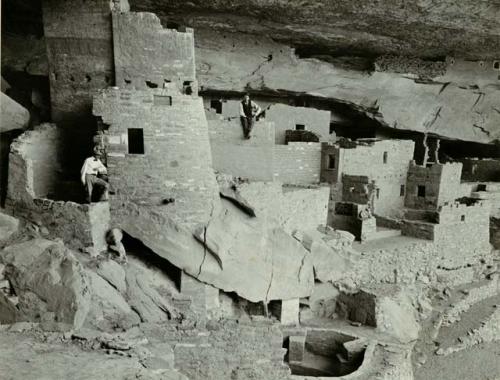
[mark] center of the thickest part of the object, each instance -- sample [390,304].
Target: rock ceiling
[423,28]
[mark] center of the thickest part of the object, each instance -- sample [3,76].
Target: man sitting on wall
[91,173]
[248,110]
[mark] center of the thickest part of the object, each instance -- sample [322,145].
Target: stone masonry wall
[385,162]
[462,233]
[297,163]
[287,117]
[356,189]
[229,350]
[43,146]
[32,176]
[176,164]
[80,55]
[450,188]
[475,169]
[258,158]
[330,159]
[146,55]
[245,161]
[229,130]
[441,184]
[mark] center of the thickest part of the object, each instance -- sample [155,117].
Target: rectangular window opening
[421,191]
[331,161]
[187,87]
[216,105]
[135,141]
[385,157]
[462,218]
[402,191]
[300,127]
[378,193]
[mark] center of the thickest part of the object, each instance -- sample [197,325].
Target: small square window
[385,158]
[300,127]
[216,105]
[462,218]
[135,141]
[421,191]
[402,191]
[331,161]
[496,65]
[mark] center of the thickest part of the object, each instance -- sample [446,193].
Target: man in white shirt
[90,169]
[248,110]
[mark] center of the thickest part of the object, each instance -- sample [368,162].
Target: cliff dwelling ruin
[250,190]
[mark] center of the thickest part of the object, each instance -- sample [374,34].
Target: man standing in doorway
[248,110]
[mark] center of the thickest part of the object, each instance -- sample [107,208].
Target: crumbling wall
[449,187]
[475,169]
[330,159]
[462,234]
[33,171]
[42,147]
[356,189]
[147,55]
[386,162]
[418,229]
[211,355]
[430,187]
[357,307]
[459,232]
[288,117]
[174,173]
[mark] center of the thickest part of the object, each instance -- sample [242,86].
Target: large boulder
[13,115]
[8,226]
[8,311]
[331,252]
[227,250]
[108,310]
[51,284]
[258,261]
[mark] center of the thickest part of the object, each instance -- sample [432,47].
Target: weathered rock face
[341,43]
[458,103]
[50,282]
[108,309]
[149,293]
[330,253]
[280,268]
[232,243]
[423,28]
[289,207]
[8,226]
